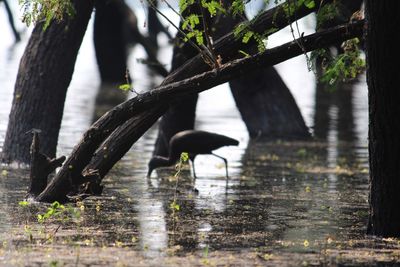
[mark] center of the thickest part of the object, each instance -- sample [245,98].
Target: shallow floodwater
[285,203]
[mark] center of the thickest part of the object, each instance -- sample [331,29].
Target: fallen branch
[144,109]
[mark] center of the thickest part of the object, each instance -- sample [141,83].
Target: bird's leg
[192,157]
[194,175]
[226,163]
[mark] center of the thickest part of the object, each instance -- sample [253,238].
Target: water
[285,203]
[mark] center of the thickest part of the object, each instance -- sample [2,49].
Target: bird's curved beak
[149,173]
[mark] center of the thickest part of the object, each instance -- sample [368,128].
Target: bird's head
[157,162]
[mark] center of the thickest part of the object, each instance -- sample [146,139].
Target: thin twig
[177,28]
[202,48]
[207,35]
[299,39]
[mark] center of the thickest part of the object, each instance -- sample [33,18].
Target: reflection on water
[293,199]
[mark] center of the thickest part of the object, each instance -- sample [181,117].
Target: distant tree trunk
[384,110]
[115,28]
[44,75]
[267,107]
[110,41]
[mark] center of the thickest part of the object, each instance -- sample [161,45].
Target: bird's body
[194,143]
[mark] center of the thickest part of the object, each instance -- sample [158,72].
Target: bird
[193,142]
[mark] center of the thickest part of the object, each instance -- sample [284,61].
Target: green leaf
[199,38]
[174,206]
[247,36]
[23,203]
[184,156]
[309,4]
[125,87]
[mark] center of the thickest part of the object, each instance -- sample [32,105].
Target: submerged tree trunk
[44,75]
[384,111]
[267,106]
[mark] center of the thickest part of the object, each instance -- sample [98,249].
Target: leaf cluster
[45,10]
[343,67]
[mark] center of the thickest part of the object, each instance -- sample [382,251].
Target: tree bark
[44,75]
[384,110]
[148,105]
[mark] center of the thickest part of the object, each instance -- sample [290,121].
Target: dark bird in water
[194,143]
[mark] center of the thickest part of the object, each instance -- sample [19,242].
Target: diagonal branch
[139,108]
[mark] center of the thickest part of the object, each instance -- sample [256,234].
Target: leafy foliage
[184,4]
[343,67]
[45,10]
[243,31]
[237,7]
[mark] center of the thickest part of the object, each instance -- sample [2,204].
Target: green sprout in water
[58,211]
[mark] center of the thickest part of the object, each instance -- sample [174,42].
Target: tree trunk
[44,75]
[110,41]
[384,110]
[267,106]
[115,27]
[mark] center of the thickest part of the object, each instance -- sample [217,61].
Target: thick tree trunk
[44,75]
[134,116]
[384,110]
